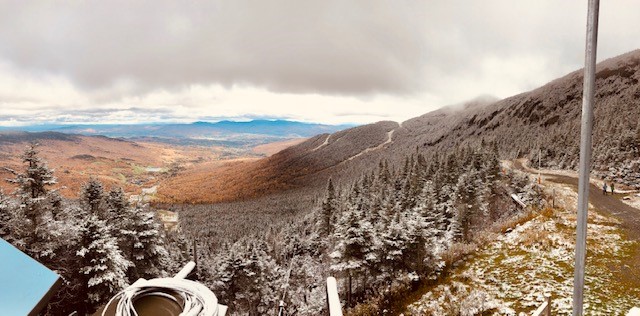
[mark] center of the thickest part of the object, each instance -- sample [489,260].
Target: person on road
[604,188]
[613,190]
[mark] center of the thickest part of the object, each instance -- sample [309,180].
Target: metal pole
[281,308]
[539,165]
[585,154]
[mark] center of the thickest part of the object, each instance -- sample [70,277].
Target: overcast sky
[314,60]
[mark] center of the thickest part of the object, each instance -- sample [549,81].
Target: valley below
[139,167]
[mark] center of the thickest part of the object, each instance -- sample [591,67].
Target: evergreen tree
[33,183]
[415,248]
[92,198]
[103,268]
[179,251]
[5,216]
[116,203]
[394,242]
[34,227]
[118,216]
[303,278]
[54,205]
[328,210]
[32,192]
[354,250]
[464,202]
[146,245]
[247,277]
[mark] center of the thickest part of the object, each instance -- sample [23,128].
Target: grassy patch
[535,258]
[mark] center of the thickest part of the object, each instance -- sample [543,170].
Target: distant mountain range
[223,133]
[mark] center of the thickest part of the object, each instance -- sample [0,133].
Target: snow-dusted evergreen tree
[328,210]
[148,253]
[394,242]
[415,247]
[354,247]
[5,215]
[118,216]
[36,179]
[305,286]
[35,230]
[92,198]
[247,277]
[299,239]
[102,267]
[32,189]
[464,202]
[116,204]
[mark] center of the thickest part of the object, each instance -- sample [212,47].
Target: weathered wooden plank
[518,200]
[545,308]
[333,300]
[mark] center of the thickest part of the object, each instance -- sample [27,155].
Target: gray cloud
[293,46]
[447,50]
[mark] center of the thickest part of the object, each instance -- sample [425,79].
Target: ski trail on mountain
[326,142]
[370,149]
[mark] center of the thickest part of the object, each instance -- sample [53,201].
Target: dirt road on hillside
[607,204]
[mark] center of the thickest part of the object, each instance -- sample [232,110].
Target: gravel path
[606,205]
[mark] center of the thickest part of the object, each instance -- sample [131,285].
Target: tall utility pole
[585,153]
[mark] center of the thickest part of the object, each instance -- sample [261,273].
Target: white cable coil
[197,299]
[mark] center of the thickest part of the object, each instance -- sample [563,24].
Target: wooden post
[547,298]
[333,301]
[545,308]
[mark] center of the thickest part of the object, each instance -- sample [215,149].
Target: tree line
[98,244]
[388,229]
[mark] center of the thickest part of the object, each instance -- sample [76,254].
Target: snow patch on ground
[511,275]
[632,200]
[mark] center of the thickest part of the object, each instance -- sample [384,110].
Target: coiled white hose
[197,299]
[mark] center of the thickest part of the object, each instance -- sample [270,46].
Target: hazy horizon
[188,122]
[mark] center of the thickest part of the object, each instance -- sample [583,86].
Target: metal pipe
[585,154]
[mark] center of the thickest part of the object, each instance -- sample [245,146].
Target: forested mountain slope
[307,164]
[547,118]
